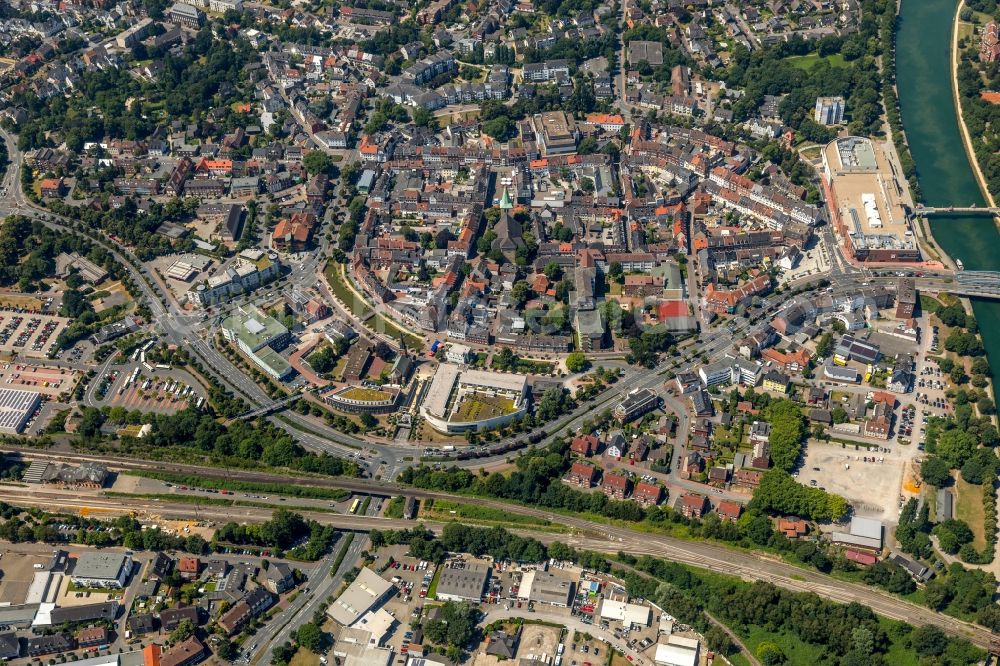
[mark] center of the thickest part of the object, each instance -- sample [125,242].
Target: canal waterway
[923,75]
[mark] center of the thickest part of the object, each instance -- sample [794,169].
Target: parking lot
[872,487]
[49,381]
[30,334]
[164,392]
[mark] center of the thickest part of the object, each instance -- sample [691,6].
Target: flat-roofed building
[867,201]
[461,400]
[545,587]
[16,409]
[102,569]
[462,581]
[257,335]
[677,651]
[367,592]
[555,133]
[630,615]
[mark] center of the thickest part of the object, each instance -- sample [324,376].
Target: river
[923,74]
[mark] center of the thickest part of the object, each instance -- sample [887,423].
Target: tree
[952,534]
[310,637]
[825,345]
[718,640]
[577,362]
[955,447]
[615,271]
[770,654]
[368,421]
[980,467]
[183,631]
[317,161]
[935,471]
[780,493]
[929,641]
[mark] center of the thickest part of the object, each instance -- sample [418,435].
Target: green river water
[923,74]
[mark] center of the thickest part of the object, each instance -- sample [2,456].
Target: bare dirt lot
[18,572]
[873,488]
[538,640]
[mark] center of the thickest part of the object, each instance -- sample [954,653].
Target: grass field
[365,394]
[384,325]
[969,507]
[477,407]
[446,509]
[807,61]
[18,301]
[335,277]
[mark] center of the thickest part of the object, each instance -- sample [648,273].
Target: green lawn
[796,652]
[969,507]
[807,61]
[343,292]
[386,326]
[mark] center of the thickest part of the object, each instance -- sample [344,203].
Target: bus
[354,505]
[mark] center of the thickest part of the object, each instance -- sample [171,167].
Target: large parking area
[49,381]
[31,334]
[872,487]
[162,391]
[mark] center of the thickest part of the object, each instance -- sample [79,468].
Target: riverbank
[959,113]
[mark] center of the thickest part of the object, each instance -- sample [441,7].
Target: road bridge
[965,210]
[269,408]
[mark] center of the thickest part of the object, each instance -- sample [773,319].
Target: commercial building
[16,409]
[368,592]
[460,400]
[555,133]
[545,587]
[252,269]
[829,110]
[258,336]
[102,569]
[462,581]
[636,404]
[865,198]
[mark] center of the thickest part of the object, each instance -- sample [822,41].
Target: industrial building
[864,533]
[462,581]
[545,587]
[368,592]
[16,409]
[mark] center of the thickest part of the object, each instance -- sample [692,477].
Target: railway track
[748,565]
